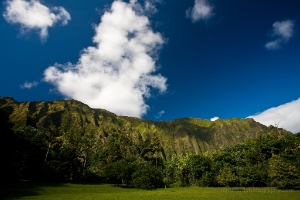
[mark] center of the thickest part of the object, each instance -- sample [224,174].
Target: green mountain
[70,121]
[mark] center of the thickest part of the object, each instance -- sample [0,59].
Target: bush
[253,175]
[119,172]
[227,177]
[147,177]
[208,180]
[283,174]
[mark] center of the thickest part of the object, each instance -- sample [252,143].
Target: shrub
[147,177]
[283,174]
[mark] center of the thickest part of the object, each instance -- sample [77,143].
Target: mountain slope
[74,122]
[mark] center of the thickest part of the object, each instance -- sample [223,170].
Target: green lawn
[81,191]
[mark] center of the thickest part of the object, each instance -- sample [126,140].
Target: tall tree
[282,173]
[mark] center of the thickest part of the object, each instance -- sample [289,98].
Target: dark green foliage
[190,170]
[62,164]
[227,177]
[282,173]
[172,170]
[113,148]
[253,175]
[197,166]
[146,148]
[185,178]
[29,152]
[74,121]
[68,141]
[7,148]
[208,179]
[21,151]
[120,172]
[147,177]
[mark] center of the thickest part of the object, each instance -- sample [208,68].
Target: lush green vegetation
[75,123]
[267,160]
[66,141]
[107,192]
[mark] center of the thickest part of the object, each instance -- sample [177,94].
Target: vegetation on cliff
[68,141]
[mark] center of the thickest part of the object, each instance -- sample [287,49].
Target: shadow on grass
[123,186]
[259,189]
[23,188]
[297,188]
[290,188]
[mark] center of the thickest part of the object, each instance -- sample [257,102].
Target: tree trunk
[47,151]
[84,160]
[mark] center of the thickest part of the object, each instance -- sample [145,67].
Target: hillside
[72,121]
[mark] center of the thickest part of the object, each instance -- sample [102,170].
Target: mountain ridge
[69,119]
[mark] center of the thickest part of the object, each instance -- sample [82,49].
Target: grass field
[102,192]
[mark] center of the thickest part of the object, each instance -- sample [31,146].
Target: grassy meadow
[105,191]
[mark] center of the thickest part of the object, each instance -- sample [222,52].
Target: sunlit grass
[81,191]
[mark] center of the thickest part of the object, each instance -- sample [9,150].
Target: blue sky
[158,60]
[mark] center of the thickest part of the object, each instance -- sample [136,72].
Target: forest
[61,141]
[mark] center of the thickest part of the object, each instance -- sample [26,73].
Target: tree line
[37,154]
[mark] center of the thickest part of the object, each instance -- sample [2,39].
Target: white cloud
[118,73]
[32,15]
[214,119]
[29,85]
[148,9]
[282,32]
[286,115]
[273,45]
[159,114]
[202,10]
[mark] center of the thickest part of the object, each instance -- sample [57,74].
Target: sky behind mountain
[157,59]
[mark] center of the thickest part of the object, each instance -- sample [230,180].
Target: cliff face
[73,121]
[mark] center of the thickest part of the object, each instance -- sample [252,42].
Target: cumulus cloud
[202,10]
[149,7]
[159,114]
[282,32]
[32,15]
[29,85]
[214,119]
[286,115]
[118,73]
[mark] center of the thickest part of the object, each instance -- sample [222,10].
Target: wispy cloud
[286,115]
[149,7]
[202,10]
[29,85]
[118,73]
[159,114]
[32,15]
[282,32]
[214,119]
